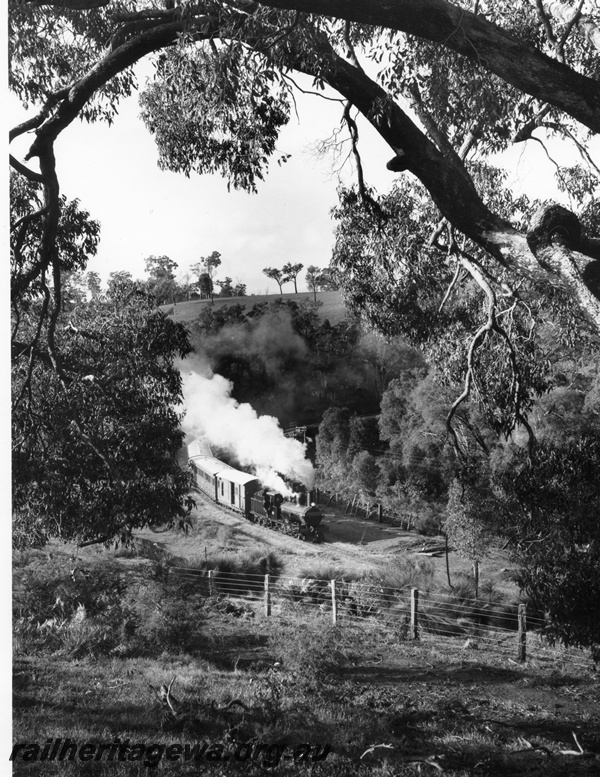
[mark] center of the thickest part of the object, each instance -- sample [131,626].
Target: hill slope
[331,304]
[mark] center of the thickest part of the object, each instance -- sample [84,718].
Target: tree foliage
[94,446]
[466,525]
[551,505]
[291,271]
[276,275]
[161,282]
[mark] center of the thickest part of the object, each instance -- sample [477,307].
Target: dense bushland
[285,360]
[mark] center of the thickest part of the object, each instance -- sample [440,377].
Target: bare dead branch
[453,283]
[353,129]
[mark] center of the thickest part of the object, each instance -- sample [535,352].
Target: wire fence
[504,630]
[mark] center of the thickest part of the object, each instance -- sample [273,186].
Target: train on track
[244,493]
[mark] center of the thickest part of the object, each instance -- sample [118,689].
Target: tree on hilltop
[312,279]
[276,275]
[226,287]
[161,281]
[205,270]
[290,272]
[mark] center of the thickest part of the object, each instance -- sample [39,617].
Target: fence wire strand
[448,619]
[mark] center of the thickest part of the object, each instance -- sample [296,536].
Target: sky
[145,211]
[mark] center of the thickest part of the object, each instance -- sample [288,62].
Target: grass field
[331,304]
[384,708]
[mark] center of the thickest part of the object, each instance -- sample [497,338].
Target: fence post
[522,633]
[333,603]
[211,582]
[267,597]
[414,613]
[380,513]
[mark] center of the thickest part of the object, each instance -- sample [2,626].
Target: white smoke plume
[257,442]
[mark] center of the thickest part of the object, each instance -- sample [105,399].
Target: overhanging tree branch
[443,174]
[479,40]
[454,193]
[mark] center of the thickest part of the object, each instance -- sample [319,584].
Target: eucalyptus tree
[276,275]
[161,278]
[291,271]
[312,279]
[205,270]
[95,437]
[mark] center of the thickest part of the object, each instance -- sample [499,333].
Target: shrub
[156,620]
[96,610]
[239,573]
[312,651]
[49,589]
[326,571]
[405,572]
[429,525]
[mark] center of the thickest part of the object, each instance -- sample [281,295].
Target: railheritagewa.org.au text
[151,754]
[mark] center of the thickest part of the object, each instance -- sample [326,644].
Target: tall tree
[226,287]
[205,270]
[161,281]
[276,275]
[312,279]
[291,271]
[94,284]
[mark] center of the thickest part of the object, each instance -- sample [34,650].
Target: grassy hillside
[331,304]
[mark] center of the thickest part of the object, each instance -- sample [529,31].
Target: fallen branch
[375,747]
[175,716]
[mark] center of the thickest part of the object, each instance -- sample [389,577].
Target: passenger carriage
[224,484]
[242,492]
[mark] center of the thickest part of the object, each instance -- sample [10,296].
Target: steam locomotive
[243,493]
